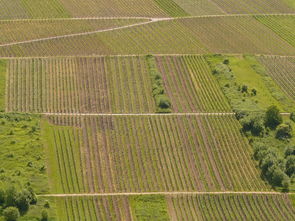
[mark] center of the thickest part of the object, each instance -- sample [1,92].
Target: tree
[44,215]
[277,177]
[273,117]
[2,197]
[290,165]
[290,150]
[284,131]
[244,89]
[292,116]
[22,201]
[11,214]
[10,196]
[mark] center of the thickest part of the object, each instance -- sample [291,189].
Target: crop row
[110,85]
[101,85]
[231,207]
[178,207]
[19,30]
[72,8]
[282,71]
[149,153]
[190,85]
[240,34]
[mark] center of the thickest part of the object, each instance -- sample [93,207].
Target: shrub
[292,116]
[226,61]
[290,165]
[10,196]
[273,117]
[22,201]
[290,150]
[253,123]
[44,215]
[244,89]
[278,176]
[254,92]
[284,131]
[11,214]
[46,204]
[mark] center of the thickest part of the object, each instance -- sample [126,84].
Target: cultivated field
[179,207]
[190,85]
[233,34]
[72,8]
[110,85]
[282,25]
[16,31]
[155,153]
[282,71]
[231,207]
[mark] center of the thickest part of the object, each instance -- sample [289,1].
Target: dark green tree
[273,117]
[11,214]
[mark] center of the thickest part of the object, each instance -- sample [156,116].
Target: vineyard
[231,207]
[232,34]
[16,31]
[111,85]
[180,207]
[282,71]
[191,95]
[155,153]
[282,25]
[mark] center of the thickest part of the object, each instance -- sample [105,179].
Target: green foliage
[292,116]
[162,101]
[11,214]
[273,117]
[151,207]
[44,215]
[284,131]
[290,165]
[21,152]
[254,123]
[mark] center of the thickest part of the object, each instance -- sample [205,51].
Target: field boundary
[163,193]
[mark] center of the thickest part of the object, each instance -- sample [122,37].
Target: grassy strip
[163,102]
[246,85]
[171,8]
[2,84]
[150,207]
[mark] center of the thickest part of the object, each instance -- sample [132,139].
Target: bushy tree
[11,214]
[253,123]
[2,197]
[278,176]
[290,150]
[284,131]
[292,116]
[22,201]
[273,117]
[290,165]
[44,215]
[11,194]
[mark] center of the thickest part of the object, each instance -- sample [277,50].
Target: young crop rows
[282,71]
[240,34]
[93,208]
[79,85]
[149,153]
[72,8]
[190,85]
[281,25]
[17,31]
[231,207]
[237,35]
[109,85]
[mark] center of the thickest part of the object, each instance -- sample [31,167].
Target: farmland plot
[154,38]
[284,26]
[12,10]
[200,7]
[231,207]
[252,7]
[237,35]
[93,208]
[15,31]
[155,153]
[282,71]
[190,85]
[79,85]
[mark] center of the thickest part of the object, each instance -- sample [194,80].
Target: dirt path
[136,114]
[165,193]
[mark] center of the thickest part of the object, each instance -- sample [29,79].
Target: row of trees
[278,169]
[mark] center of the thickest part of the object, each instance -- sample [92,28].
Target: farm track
[167,193]
[144,114]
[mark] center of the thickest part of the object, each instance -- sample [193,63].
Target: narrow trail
[84,33]
[137,114]
[165,193]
